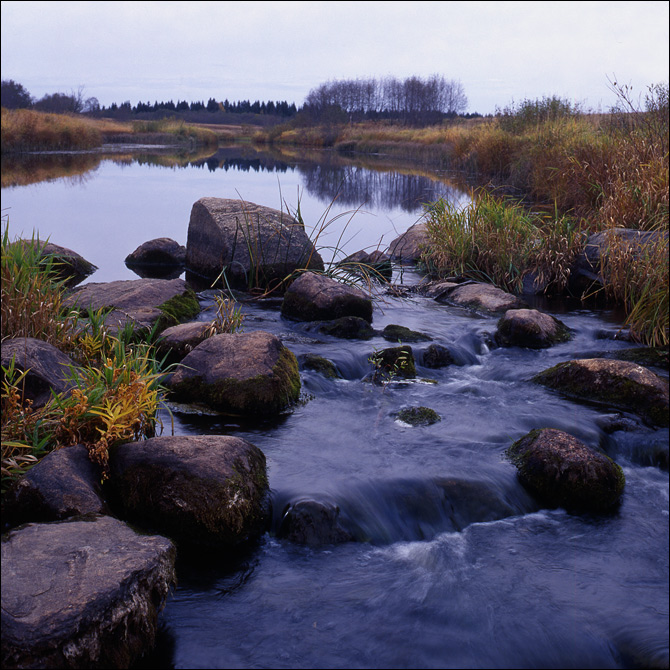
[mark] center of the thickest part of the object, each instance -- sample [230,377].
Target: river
[435,578]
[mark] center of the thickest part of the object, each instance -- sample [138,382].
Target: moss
[648,356]
[178,309]
[419,416]
[319,364]
[394,333]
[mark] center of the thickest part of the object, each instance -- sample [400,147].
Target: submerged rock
[437,356]
[313,523]
[256,246]
[319,364]
[618,384]
[316,297]
[348,328]
[202,490]
[249,374]
[84,593]
[418,416]
[564,472]
[530,328]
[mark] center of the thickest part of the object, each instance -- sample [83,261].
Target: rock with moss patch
[530,328]
[418,416]
[144,303]
[319,364]
[200,490]
[249,374]
[618,384]
[395,333]
[564,472]
[317,297]
[348,328]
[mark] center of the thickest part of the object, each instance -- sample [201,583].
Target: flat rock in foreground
[82,594]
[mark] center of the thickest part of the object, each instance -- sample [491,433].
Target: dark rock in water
[47,368]
[63,484]
[394,333]
[483,297]
[409,246]
[437,356]
[161,252]
[84,593]
[144,303]
[530,328]
[256,246]
[563,472]
[313,523]
[373,265]
[618,384]
[316,297]
[418,416]
[249,374]
[649,357]
[201,490]
[348,328]
[393,362]
[319,364]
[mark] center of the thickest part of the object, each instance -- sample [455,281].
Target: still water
[453,565]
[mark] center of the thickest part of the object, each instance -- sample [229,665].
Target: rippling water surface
[453,565]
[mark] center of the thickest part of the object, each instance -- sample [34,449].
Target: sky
[501,52]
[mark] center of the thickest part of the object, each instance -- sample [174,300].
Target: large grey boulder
[144,303]
[256,246]
[64,483]
[316,297]
[48,367]
[564,472]
[409,246]
[250,374]
[530,328]
[482,297]
[202,490]
[620,384]
[84,593]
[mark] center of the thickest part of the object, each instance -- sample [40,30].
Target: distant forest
[413,101]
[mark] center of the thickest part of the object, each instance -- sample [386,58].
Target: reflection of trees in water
[25,169]
[355,186]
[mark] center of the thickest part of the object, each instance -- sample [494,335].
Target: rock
[319,364]
[257,246]
[530,328]
[438,289]
[250,374]
[418,416]
[437,356]
[68,265]
[84,593]
[48,367]
[348,328]
[409,246]
[162,258]
[64,483]
[178,341]
[313,523]
[144,303]
[201,490]
[394,333]
[564,472]
[619,384]
[316,297]
[393,362]
[483,297]
[376,264]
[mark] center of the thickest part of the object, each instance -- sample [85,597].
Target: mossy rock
[615,383]
[319,364]
[395,333]
[348,328]
[418,416]
[179,309]
[563,472]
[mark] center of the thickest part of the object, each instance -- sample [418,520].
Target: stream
[452,564]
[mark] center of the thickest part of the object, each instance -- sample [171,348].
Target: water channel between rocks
[442,575]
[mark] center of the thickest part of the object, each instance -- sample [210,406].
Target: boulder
[178,341]
[313,523]
[162,258]
[619,384]
[564,472]
[482,297]
[64,483]
[256,246]
[144,303]
[437,356]
[409,246]
[47,367]
[316,297]
[200,490]
[83,593]
[250,374]
[530,328]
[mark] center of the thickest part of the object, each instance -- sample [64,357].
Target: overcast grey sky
[499,51]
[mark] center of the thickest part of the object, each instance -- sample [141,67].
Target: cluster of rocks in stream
[87,567]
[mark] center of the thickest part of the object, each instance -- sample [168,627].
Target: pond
[433,579]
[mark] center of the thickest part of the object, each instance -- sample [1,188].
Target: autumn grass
[115,380]
[194,134]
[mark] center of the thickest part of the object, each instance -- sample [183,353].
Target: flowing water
[452,563]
